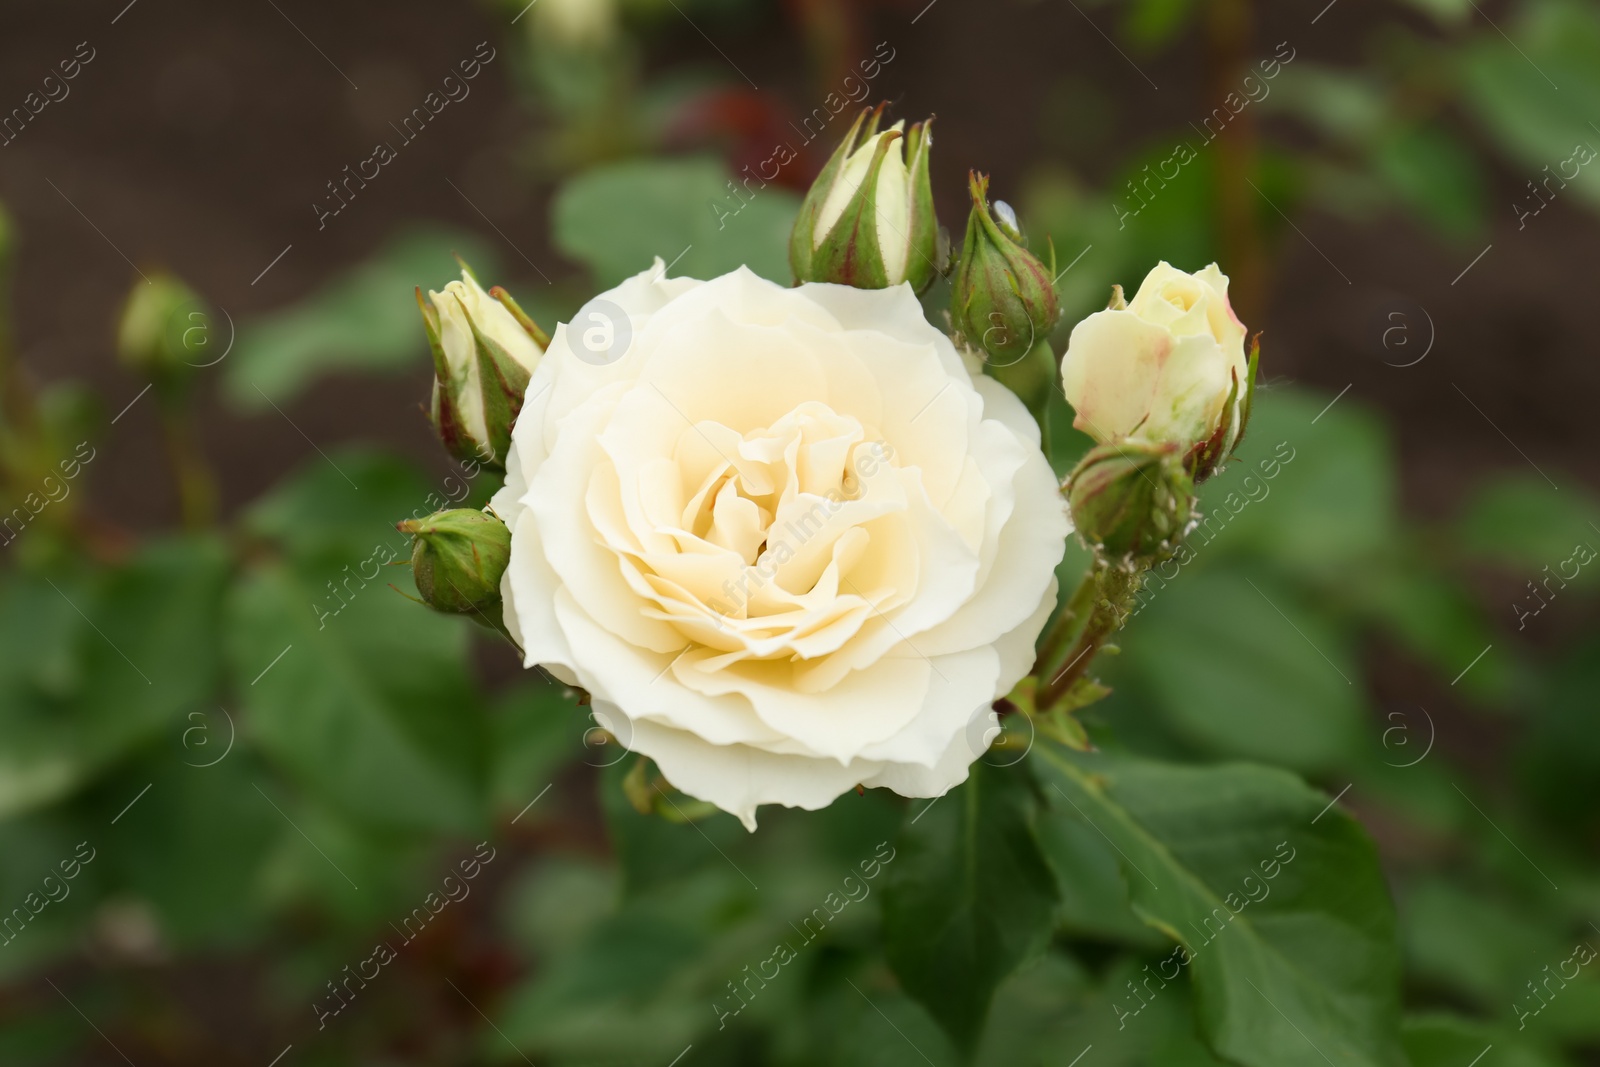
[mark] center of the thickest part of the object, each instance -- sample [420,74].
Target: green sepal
[1002,298]
[922,255]
[850,253]
[802,238]
[443,410]
[1059,721]
[648,794]
[524,320]
[457,559]
[1209,456]
[1132,499]
[1249,389]
[503,382]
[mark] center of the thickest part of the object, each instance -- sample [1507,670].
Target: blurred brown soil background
[201,134]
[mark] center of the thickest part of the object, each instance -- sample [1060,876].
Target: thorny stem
[1067,624]
[1106,594]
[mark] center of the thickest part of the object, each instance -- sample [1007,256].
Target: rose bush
[785,540]
[1161,366]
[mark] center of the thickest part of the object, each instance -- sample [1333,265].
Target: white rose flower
[1161,367]
[781,535]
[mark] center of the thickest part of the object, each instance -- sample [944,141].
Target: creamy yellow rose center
[769,543]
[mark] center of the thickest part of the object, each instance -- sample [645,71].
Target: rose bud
[484,351]
[1167,366]
[1003,298]
[1132,499]
[868,220]
[154,333]
[457,558]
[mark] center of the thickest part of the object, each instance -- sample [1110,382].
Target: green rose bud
[1003,298]
[1131,499]
[162,330]
[868,220]
[484,351]
[457,558]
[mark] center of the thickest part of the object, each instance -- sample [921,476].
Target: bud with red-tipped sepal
[457,559]
[1132,500]
[1003,298]
[484,352]
[868,220]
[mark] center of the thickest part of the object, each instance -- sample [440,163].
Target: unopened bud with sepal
[1132,500]
[485,349]
[868,220]
[457,559]
[153,334]
[1003,297]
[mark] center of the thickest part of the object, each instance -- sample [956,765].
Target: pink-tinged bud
[1168,366]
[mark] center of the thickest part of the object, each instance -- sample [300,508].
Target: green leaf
[1435,618]
[50,844]
[1241,665]
[1342,103]
[365,320]
[616,219]
[1438,1040]
[969,898]
[370,708]
[1478,948]
[536,729]
[1094,898]
[1280,906]
[693,955]
[1436,176]
[95,664]
[1520,522]
[1312,488]
[874,1024]
[317,516]
[1053,1012]
[1536,89]
[197,846]
[1560,758]
[651,851]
